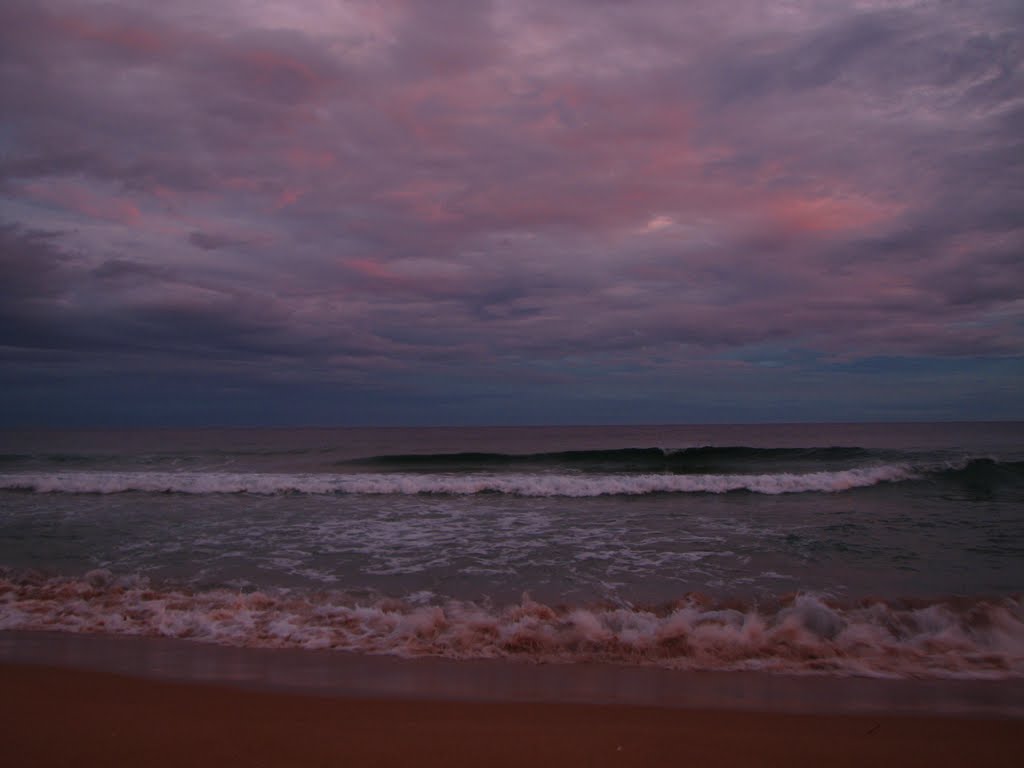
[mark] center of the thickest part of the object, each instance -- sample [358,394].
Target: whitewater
[512,483]
[870,550]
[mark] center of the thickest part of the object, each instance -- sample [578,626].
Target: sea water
[882,550]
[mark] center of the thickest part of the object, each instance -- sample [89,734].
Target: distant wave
[982,473]
[978,474]
[804,633]
[151,458]
[624,459]
[517,484]
[54,458]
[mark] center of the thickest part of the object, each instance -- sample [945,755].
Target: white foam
[802,634]
[570,485]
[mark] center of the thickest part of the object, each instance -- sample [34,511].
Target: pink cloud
[369,268]
[84,201]
[809,215]
[288,196]
[418,277]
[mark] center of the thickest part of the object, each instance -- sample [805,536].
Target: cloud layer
[490,211]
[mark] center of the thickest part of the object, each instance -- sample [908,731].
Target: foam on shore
[802,633]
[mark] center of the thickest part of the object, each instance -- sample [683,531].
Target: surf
[512,484]
[802,633]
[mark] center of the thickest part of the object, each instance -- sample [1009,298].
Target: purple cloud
[358,189]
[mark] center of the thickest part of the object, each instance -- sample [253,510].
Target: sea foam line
[518,484]
[805,633]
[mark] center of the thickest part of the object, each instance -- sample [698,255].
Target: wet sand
[341,674]
[52,716]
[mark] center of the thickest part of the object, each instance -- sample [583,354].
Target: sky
[402,212]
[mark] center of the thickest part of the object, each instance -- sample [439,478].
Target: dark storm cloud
[30,263]
[33,276]
[52,301]
[368,188]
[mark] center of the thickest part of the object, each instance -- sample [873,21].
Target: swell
[623,459]
[983,472]
[804,633]
[58,459]
[976,475]
[152,458]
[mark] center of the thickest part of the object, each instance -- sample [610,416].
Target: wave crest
[803,633]
[517,484]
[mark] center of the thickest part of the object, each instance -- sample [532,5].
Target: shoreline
[340,674]
[59,716]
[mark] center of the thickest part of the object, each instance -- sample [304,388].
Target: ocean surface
[888,550]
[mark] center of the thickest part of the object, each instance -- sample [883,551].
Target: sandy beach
[52,716]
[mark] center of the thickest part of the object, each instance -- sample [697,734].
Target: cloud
[361,189]
[208,241]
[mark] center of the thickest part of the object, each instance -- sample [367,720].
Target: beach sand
[54,716]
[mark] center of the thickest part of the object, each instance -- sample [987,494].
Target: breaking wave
[980,474]
[802,633]
[518,484]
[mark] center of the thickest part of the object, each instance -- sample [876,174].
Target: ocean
[879,550]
